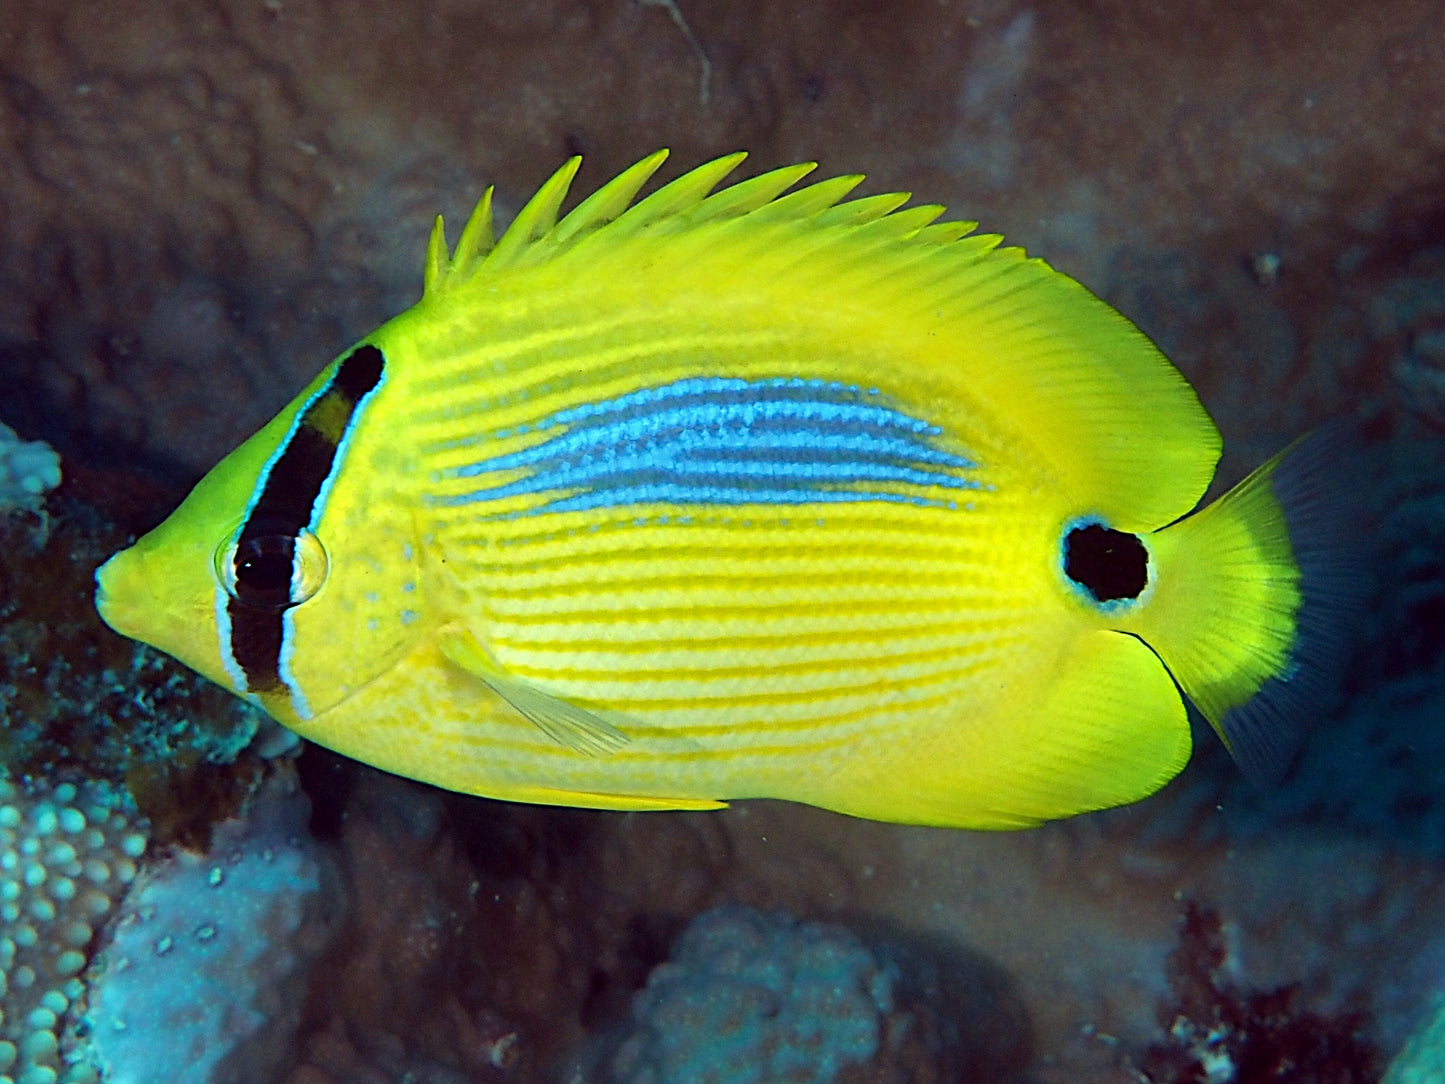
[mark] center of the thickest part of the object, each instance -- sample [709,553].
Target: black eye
[272,570]
[263,570]
[1109,564]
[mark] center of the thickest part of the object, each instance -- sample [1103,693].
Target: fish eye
[271,569]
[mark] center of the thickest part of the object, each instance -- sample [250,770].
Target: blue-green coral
[67,854]
[28,470]
[74,697]
[749,997]
[213,953]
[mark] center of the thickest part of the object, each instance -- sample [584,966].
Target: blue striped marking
[727,441]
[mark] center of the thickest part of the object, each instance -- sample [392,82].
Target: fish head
[165,589]
[289,574]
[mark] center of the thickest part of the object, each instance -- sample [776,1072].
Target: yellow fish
[745,493]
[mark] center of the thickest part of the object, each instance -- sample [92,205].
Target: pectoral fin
[567,724]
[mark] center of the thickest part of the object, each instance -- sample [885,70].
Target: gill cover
[240,581]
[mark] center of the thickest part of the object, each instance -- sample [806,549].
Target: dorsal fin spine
[609,201]
[537,217]
[806,202]
[476,239]
[438,262]
[747,196]
[861,211]
[537,233]
[685,192]
[441,270]
[907,223]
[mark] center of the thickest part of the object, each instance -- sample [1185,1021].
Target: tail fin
[1254,596]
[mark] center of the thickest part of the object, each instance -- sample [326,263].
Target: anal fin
[1103,725]
[633,803]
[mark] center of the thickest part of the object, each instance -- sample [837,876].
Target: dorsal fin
[537,218]
[536,234]
[535,222]
[609,201]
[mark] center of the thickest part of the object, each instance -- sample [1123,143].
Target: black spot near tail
[1111,565]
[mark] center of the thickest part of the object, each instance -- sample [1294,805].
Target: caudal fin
[1255,595]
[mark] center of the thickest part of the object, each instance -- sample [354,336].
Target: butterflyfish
[748,491]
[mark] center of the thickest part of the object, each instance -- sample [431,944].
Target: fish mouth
[104,604]
[131,598]
[120,594]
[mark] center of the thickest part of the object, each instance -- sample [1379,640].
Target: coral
[484,936]
[763,996]
[748,997]
[74,697]
[1219,1034]
[212,953]
[1422,1061]
[28,470]
[443,971]
[67,853]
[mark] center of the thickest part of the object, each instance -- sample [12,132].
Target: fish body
[743,493]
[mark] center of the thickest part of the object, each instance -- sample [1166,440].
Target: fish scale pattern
[67,853]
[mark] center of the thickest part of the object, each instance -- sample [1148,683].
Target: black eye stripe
[358,375]
[287,504]
[293,485]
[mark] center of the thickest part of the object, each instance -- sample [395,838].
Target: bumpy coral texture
[67,854]
[204,969]
[749,997]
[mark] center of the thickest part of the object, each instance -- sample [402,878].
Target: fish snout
[125,595]
[105,590]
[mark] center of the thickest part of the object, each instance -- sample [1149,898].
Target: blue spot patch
[728,441]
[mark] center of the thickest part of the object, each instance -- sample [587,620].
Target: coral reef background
[201,203]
